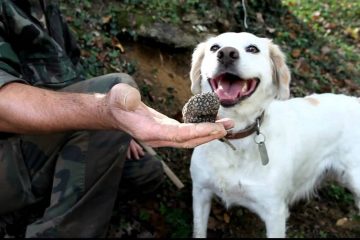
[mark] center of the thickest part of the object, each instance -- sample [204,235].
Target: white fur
[305,137]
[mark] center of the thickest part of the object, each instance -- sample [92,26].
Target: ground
[322,49]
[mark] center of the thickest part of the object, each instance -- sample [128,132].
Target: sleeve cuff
[6,78]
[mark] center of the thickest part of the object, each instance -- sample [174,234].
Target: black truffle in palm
[203,107]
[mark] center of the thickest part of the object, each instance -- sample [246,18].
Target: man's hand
[135,151]
[154,128]
[30,110]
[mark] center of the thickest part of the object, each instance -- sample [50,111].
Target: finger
[127,96]
[154,112]
[140,150]
[226,122]
[128,153]
[191,132]
[186,144]
[134,151]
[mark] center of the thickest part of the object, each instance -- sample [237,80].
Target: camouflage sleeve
[9,61]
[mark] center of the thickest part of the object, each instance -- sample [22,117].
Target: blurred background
[153,41]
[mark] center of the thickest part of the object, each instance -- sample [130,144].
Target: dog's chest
[228,185]
[228,174]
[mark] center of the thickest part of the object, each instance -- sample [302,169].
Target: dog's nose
[227,55]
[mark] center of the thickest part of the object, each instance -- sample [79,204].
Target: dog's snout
[227,55]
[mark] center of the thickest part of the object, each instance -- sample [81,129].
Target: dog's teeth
[245,87]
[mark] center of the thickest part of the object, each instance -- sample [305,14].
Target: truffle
[201,108]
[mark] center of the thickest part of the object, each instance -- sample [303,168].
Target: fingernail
[216,131]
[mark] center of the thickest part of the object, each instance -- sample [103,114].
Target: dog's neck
[252,128]
[244,115]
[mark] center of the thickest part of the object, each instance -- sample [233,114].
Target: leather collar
[248,130]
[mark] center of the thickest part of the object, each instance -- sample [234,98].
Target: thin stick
[228,143]
[171,175]
[245,14]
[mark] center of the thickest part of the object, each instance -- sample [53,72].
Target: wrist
[105,113]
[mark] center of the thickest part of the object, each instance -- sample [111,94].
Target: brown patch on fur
[312,101]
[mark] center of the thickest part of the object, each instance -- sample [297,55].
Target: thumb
[127,97]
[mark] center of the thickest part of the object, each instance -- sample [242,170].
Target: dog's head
[240,68]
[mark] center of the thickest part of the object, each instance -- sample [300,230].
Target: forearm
[29,110]
[26,109]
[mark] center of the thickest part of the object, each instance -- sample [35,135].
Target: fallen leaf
[217,211]
[270,30]
[296,53]
[96,33]
[259,18]
[106,19]
[148,82]
[85,53]
[325,50]
[102,56]
[340,222]
[316,15]
[212,223]
[302,66]
[69,19]
[115,43]
[353,86]
[120,47]
[226,218]
[98,42]
[293,35]
[115,68]
[353,32]
[330,25]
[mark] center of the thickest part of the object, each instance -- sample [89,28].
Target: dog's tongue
[230,89]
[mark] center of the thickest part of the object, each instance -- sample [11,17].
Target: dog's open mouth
[232,89]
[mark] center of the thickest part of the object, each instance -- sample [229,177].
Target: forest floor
[321,41]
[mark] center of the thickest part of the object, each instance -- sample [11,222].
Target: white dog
[283,147]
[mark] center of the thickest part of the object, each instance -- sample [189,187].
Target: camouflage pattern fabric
[76,173]
[42,55]
[82,171]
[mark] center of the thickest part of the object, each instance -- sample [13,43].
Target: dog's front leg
[275,220]
[201,210]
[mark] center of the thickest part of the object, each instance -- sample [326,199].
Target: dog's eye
[252,49]
[214,48]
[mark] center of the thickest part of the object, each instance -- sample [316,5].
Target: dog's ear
[195,72]
[281,72]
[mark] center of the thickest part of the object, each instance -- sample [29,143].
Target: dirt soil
[162,74]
